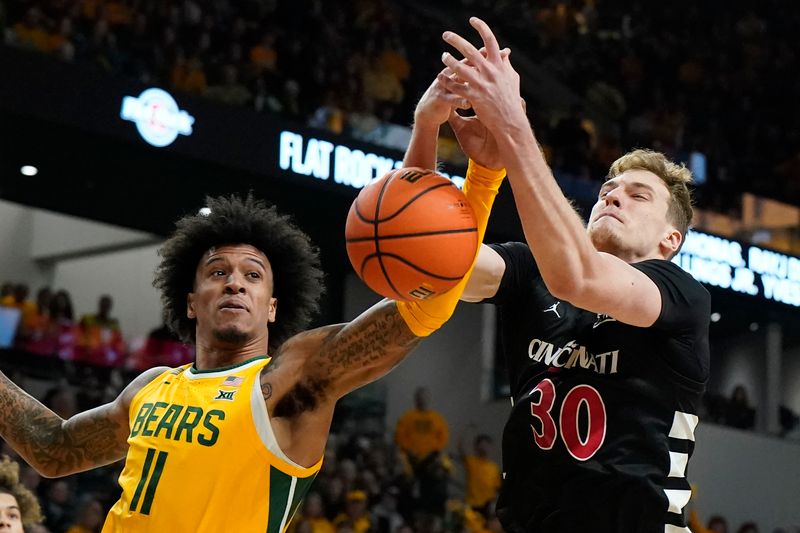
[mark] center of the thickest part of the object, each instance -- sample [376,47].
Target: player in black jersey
[606,340]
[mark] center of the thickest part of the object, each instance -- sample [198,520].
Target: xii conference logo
[157,117]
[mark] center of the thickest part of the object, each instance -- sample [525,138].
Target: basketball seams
[412,235]
[419,269]
[403,264]
[414,199]
[402,207]
[376,223]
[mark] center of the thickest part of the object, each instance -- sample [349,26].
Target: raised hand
[437,102]
[485,78]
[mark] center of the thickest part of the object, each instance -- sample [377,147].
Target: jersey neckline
[193,370]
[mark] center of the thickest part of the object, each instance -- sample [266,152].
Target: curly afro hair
[294,260]
[10,484]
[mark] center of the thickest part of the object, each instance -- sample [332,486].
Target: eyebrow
[253,259]
[633,185]
[11,508]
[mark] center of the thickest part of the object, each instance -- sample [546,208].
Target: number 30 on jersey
[581,447]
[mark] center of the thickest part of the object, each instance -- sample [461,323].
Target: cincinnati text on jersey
[571,355]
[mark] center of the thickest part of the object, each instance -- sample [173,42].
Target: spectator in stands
[188,75]
[36,330]
[422,435]
[748,527]
[313,514]
[230,91]
[385,515]
[355,513]
[19,299]
[63,332]
[29,477]
[422,431]
[19,507]
[90,517]
[739,414]
[6,290]
[62,401]
[481,473]
[100,340]
[717,524]
[162,348]
[58,505]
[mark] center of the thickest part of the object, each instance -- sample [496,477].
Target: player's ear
[671,242]
[273,309]
[190,306]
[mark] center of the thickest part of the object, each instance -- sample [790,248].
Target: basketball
[411,235]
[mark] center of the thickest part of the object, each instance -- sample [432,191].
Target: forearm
[422,147]
[480,188]
[366,348]
[553,230]
[53,446]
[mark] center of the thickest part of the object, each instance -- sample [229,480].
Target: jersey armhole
[263,427]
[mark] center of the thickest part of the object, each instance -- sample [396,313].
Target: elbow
[564,288]
[48,472]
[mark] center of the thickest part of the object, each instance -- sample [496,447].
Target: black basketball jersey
[603,417]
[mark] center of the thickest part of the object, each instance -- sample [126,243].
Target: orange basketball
[411,235]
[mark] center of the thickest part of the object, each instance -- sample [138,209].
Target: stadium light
[28,170]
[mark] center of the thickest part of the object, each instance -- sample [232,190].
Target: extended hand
[487,80]
[437,103]
[476,141]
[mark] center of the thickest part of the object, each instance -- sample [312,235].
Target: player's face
[10,515]
[232,298]
[629,219]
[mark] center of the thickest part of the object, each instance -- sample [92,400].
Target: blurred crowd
[681,77]
[345,66]
[47,326]
[713,87]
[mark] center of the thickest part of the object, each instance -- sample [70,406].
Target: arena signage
[740,268]
[324,160]
[157,117]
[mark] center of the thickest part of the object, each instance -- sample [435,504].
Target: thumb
[456,121]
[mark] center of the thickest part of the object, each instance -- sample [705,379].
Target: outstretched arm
[56,447]
[570,265]
[365,349]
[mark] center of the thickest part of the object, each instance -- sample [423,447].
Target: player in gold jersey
[233,441]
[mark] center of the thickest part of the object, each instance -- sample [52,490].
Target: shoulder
[133,388]
[685,303]
[287,383]
[513,251]
[671,278]
[520,271]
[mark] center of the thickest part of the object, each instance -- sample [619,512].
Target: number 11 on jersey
[150,492]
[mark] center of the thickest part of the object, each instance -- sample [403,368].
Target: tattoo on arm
[56,447]
[368,347]
[339,358]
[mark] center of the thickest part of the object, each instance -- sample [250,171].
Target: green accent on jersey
[193,370]
[143,479]
[147,503]
[279,486]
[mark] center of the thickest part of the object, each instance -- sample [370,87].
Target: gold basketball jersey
[203,457]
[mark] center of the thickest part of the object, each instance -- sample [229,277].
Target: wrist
[478,173]
[424,123]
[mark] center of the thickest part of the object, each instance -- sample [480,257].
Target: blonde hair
[10,484]
[676,177]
